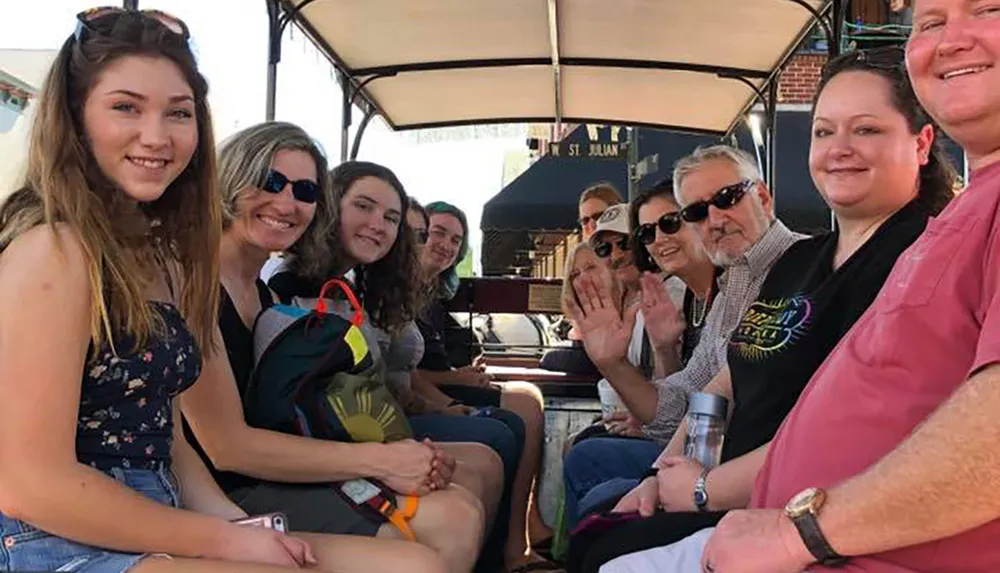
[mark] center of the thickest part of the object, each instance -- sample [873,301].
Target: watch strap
[701,492]
[816,542]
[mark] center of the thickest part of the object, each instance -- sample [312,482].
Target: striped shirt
[738,287]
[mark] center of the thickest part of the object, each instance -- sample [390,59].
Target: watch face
[700,497]
[808,500]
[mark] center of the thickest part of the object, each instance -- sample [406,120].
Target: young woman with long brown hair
[108,300]
[99,330]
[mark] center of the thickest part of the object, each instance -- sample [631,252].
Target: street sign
[589,150]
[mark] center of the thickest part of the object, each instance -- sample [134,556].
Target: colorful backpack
[315,375]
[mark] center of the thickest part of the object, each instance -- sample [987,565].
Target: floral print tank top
[125,402]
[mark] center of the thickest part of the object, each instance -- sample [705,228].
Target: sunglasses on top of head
[724,198]
[86,20]
[304,190]
[603,248]
[886,58]
[668,224]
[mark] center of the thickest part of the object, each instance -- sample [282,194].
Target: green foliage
[465,267]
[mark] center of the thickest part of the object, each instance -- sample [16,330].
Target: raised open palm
[602,327]
[664,323]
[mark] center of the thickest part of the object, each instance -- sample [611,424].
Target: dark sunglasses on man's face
[668,224]
[724,198]
[603,248]
[303,190]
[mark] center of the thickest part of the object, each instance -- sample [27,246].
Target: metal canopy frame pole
[556,67]
[130,4]
[769,126]
[345,114]
[369,115]
[563,61]
[632,161]
[771,117]
[833,46]
[273,55]
[278,19]
[837,14]
[833,29]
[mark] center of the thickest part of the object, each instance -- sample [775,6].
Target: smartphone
[598,522]
[275,521]
[359,490]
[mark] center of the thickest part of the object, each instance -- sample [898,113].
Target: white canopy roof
[663,63]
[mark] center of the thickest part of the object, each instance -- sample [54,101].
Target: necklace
[699,308]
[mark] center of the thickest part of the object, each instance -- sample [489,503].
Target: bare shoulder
[44,259]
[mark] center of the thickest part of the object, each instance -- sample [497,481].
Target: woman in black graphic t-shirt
[874,159]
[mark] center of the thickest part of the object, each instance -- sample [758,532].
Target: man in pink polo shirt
[890,461]
[899,430]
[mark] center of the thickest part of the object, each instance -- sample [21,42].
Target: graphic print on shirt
[769,327]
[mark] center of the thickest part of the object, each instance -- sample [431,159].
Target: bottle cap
[708,404]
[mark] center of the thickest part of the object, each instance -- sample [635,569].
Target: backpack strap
[401,516]
[372,495]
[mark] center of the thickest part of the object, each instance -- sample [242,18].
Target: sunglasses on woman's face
[587,219]
[86,19]
[668,224]
[724,198]
[421,236]
[603,248]
[304,190]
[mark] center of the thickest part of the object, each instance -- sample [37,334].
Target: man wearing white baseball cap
[612,243]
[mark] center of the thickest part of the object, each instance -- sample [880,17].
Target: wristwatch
[803,509]
[700,493]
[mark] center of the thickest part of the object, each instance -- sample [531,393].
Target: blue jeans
[502,431]
[595,461]
[26,548]
[600,494]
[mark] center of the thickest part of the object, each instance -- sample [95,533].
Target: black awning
[545,196]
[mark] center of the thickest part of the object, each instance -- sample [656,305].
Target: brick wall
[798,81]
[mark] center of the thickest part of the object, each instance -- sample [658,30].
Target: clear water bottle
[611,402]
[706,428]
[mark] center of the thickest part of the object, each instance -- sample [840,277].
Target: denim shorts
[27,548]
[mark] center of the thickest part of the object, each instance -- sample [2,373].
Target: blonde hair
[602,191]
[569,294]
[123,245]
[246,157]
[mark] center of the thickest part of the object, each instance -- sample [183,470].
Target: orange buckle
[401,516]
